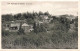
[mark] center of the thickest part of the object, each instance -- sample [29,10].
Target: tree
[17,16]
[8,17]
[35,27]
[65,22]
[30,21]
[40,13]
[42,28]
[39,28]
[5,33]
[25,15]
[76,21]
[20,31]
[46,13]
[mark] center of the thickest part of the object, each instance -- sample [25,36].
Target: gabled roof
[25,24]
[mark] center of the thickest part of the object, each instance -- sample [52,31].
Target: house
[26,27]
[13,26]
[45,18]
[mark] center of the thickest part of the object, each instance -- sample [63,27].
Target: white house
[26,27]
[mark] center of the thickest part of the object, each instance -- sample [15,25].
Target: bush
[39,28]
[5,33]
[21,31]
[33,39]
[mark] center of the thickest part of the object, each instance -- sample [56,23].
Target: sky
[54,8]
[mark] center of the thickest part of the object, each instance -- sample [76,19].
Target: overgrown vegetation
[57,34]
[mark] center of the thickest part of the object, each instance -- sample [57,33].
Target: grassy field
[40,41]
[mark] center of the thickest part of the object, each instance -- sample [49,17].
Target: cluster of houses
[13,26]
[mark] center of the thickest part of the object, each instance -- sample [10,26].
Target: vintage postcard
[39,25]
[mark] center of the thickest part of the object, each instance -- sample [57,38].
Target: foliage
[20,31]
[7,17]
[5,33]
[30,21]
[39,28]
[65,22]
[76,21]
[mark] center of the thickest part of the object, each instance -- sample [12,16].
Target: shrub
[39,28]
[20,31]
[5,33]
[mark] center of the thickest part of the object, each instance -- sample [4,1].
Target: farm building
[26,27]
[15,25]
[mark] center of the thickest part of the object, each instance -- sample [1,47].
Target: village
[13,26]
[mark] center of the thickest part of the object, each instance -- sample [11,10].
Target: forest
[57,34]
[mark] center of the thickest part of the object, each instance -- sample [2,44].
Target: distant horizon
[38,12]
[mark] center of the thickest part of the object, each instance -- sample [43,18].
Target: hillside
[39,31]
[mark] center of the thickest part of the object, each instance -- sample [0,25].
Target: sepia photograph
[39,25]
